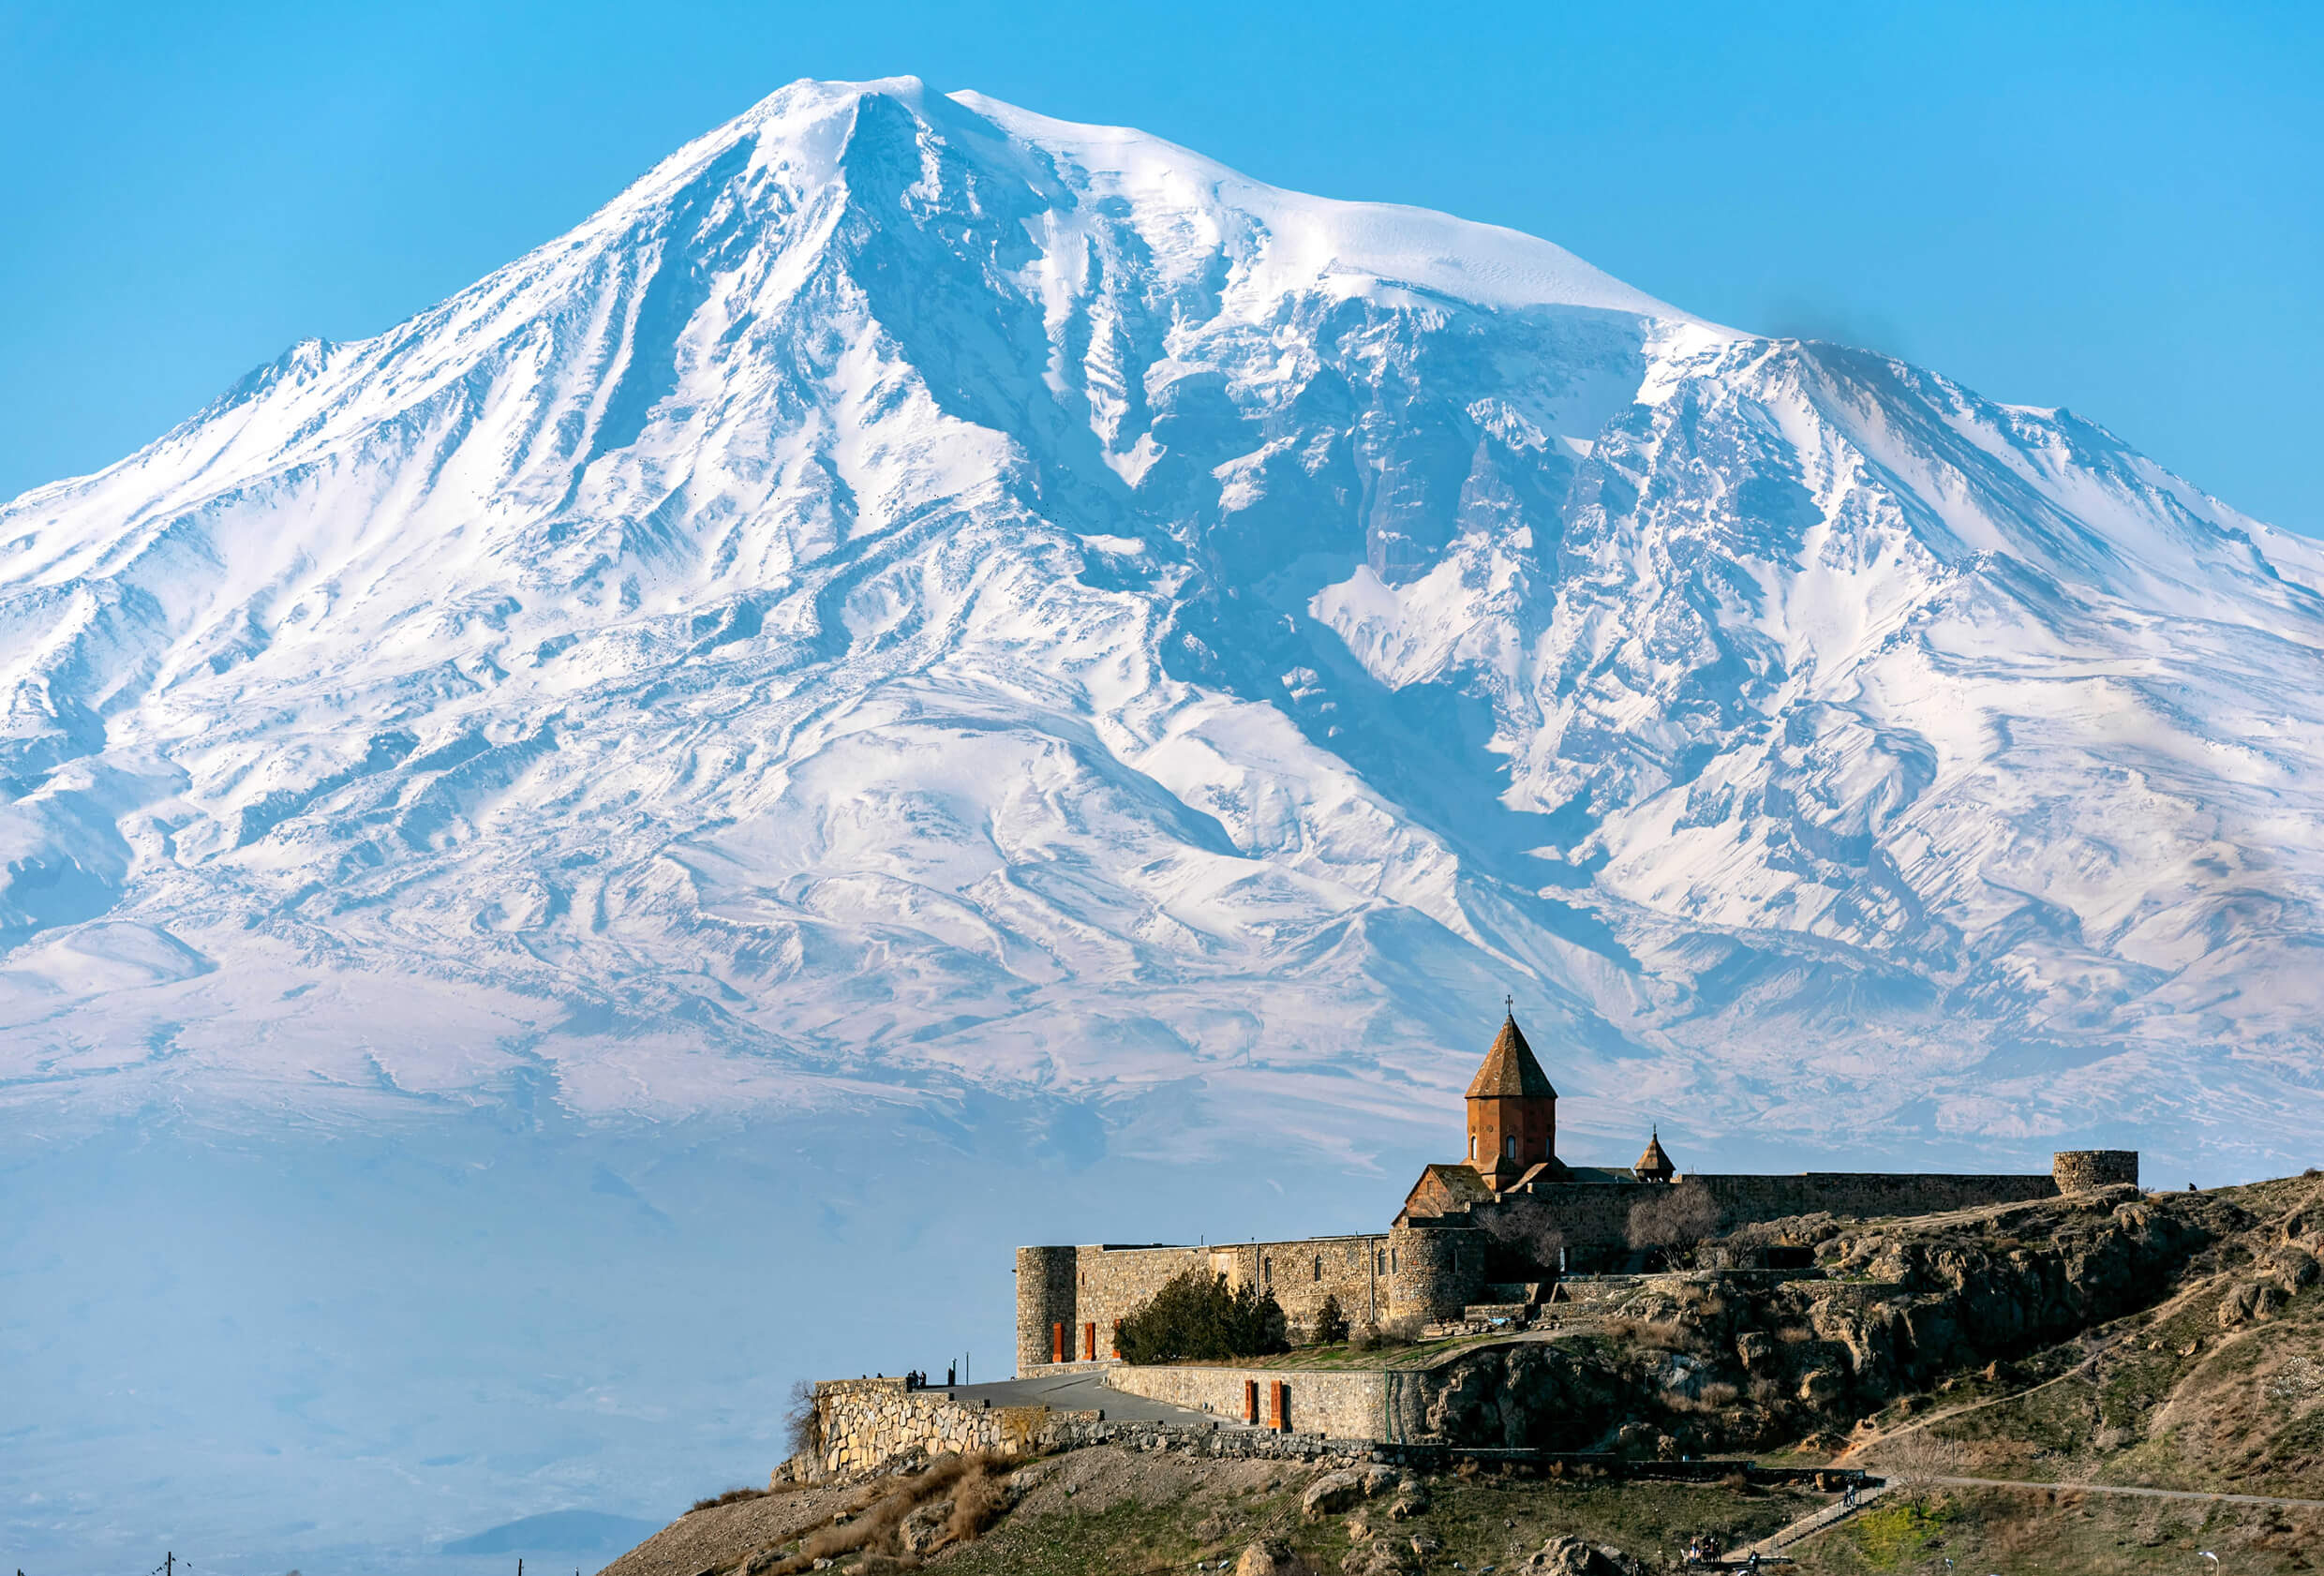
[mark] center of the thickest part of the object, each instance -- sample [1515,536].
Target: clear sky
[2112,207]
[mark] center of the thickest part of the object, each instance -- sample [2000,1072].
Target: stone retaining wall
[869,1422]
[1335,1405]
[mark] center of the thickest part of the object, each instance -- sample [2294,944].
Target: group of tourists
[1707,1550]
[916,1380]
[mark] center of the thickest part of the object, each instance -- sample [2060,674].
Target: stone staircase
[1515,1302]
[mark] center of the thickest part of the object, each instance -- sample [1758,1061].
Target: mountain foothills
[915,597]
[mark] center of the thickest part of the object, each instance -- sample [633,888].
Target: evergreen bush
[1331,1323]
[1196,1318]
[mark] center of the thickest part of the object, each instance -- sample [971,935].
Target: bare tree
[1676,1220]
[802,1422]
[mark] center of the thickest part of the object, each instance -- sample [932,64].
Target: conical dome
[1654,1163]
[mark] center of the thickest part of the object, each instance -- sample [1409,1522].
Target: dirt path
[1831,1516]
[2124,1488]
[2107,1337]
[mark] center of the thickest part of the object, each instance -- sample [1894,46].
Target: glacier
[917,611]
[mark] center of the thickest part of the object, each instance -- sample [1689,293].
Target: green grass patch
[1888,1535]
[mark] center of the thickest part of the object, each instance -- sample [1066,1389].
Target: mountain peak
[916,592]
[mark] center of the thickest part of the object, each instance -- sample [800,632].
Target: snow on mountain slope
[915,596]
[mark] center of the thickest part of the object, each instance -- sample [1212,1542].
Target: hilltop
[2112,1340]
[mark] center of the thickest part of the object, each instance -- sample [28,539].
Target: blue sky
[2114,207]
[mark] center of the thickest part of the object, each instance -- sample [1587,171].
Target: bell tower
[1512,1111]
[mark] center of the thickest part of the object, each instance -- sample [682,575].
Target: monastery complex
[1489,1236]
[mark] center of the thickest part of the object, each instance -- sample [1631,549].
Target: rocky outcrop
[1689,1364]
[1569,1556]
[1527,1393]
[1337,1491]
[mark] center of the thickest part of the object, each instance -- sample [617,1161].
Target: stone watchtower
[1512,1111]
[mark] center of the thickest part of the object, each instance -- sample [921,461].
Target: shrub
[802,1425]
[729,1497]
[1331,1322]
[1198,1317]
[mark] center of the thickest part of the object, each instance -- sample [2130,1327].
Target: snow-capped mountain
[915,596]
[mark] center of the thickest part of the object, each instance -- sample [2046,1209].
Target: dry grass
[731,1497]
[873,1528]
[1648,1334]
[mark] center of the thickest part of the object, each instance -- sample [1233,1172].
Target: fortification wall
[1613,1214]
[868,1422]
[1070,1300]
[1865,1193]
[1045,1302]
[1305,1271]
[2079,1170]
[1111,1282]
[1435,1269]
[1337,1405]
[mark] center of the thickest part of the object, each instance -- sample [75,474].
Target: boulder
[926,1529]
[1333,1493]
[1376,1557]
[1568,1556]
[1267,1557]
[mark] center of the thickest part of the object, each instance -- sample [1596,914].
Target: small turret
[1654,1166]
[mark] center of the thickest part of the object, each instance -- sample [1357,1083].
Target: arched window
[1508,1148]
[1267,1270]
[1472,1146]
[1318,1266]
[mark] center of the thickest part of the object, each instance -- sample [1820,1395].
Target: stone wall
[1044,1302]
[869,1422]
[1436,1270]
[2080,1170]
[1337,1405]
[1579,1224]
[1303,1273]
[1071,1300]
[1865,1194]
